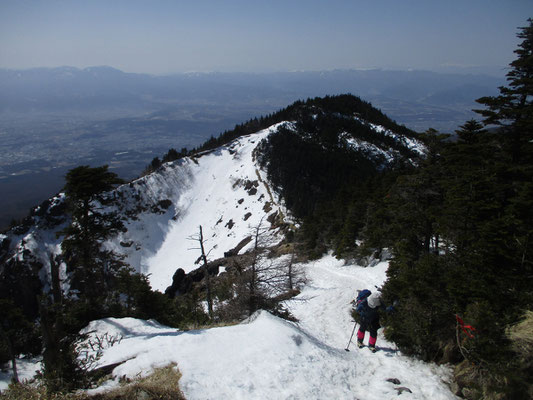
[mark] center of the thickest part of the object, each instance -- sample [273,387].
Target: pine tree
[513,108]
[513,111]
[92,223]
[469,132]
[14,332]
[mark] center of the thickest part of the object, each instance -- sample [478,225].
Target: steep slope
[223,191]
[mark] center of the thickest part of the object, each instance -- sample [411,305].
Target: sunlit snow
[223,191]
[267,357]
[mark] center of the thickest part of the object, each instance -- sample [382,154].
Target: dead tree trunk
[290,272]
[56,281]
[207,277]
[10,347]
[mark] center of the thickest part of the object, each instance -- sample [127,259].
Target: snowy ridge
[267,357]
[408,142]
[369,149]
[224,191]
[374,151]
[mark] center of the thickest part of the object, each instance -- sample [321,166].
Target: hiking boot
[373,349]
[360,344]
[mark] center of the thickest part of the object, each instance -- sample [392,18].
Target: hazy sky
[160,37]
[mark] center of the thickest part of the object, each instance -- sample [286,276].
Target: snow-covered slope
[227,193]
[223,191]
[382,152]
[269,358]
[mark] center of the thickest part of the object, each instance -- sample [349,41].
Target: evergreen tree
[513,108]
[483,270]
[93,221]
[15,332]
[469,132]
[513,111]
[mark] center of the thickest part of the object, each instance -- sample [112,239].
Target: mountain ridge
[167,196]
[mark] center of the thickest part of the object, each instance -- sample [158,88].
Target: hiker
[368,310]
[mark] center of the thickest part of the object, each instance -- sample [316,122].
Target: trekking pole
[350,341]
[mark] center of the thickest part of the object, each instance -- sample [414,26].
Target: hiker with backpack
[367,306]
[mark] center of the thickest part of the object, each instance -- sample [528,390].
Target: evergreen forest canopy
[458,222]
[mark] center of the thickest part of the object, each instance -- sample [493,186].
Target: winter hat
[374,300]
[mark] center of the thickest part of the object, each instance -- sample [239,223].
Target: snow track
[269,358]
[323,309]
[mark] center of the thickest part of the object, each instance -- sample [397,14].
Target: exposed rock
[273,218]
[251,187]
[402,389]
[164,204]
[182,282]
[267,207]
[238,248]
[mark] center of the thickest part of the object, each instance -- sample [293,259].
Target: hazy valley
[52,120]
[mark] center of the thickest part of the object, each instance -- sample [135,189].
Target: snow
[370,149]
[412,144]
[408,142]
[264,357]
[267,357]
[374,151]
[26,369]
[209,191]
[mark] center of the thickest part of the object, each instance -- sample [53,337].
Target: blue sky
[162,37]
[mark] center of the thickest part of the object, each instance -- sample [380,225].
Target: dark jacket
[369,317]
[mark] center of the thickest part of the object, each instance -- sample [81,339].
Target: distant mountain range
[416,98]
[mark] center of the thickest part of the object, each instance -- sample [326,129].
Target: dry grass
[521,336]
[32,391]
[163,384]
[217,324]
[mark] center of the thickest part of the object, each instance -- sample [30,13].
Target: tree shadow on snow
[389,351]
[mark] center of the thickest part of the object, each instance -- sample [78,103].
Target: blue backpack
[361,297]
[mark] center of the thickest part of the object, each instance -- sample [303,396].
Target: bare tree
[269,280]
[294,273]
[200,239]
